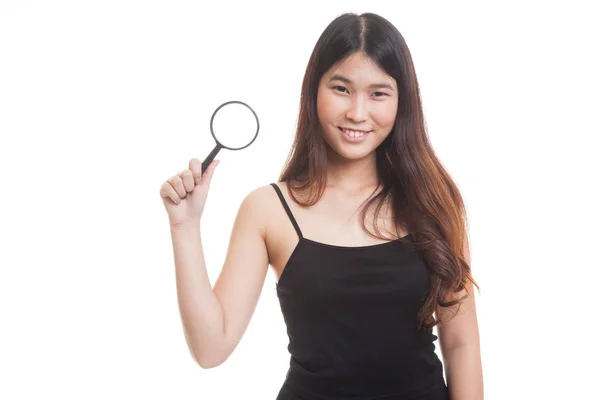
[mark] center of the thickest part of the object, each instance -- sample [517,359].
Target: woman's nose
[357,109]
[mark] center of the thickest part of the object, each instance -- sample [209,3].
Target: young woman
[359,305]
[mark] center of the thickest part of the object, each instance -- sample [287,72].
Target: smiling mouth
[353,133]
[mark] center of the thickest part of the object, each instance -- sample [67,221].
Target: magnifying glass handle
[210,158]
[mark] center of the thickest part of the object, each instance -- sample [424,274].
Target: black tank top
[351,317]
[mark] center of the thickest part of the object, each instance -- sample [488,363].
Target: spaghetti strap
[287,209]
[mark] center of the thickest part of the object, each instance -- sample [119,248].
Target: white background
[101,101]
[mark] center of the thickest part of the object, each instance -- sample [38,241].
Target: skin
[215,320]
[346,99]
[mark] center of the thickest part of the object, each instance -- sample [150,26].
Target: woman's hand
[184,195]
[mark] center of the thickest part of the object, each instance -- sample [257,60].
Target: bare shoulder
[264,192]
[260,197]
[258,205]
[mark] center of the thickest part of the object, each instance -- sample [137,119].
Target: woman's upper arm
[463,328]
[242,277]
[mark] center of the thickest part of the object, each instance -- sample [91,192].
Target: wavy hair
[425,200]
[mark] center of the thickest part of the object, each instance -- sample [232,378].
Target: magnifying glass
[234,126]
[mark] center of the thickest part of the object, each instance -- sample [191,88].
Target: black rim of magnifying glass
[220,145]
[213,117]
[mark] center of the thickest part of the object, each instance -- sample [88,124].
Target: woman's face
[356,104]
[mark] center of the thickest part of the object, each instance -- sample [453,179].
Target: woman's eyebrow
[341,78]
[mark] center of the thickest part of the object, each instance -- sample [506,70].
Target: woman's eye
[342,89]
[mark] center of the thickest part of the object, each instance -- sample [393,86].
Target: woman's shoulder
[263,198]
[266,191]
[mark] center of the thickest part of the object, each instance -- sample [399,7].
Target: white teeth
[354,133]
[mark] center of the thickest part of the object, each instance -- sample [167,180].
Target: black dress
[351,317]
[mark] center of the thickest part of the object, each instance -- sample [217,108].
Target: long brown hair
[425,200]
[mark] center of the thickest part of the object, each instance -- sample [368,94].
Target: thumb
[207,176]
[212,167]
[210,171]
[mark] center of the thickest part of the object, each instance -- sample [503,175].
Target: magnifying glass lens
[234,125]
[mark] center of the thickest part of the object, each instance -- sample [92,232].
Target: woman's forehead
[359,69]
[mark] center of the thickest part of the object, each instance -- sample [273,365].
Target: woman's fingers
[187,179]
[196,167]
[167,192]
[177,184]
